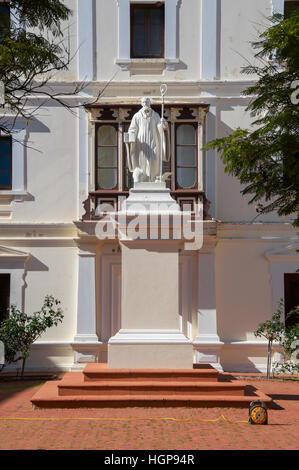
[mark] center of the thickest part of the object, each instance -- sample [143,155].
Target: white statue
[147,143]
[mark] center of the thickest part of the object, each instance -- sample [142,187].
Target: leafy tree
[266,157]
[32,49]
[19,331]
[290,345]
[274,330]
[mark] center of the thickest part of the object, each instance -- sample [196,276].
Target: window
[5,162]
[4,20]
[290,7]
[107,157]
[291,296]
[4,295]
[147,30]
[186,156]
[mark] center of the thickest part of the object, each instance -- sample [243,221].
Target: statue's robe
[148,135]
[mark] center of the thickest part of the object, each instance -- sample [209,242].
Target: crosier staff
[163,89]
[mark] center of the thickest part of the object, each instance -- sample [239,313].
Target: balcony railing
[112,201]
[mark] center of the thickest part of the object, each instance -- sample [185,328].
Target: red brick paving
[142,432]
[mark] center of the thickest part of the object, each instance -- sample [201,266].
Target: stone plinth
[145,198]
[150,335]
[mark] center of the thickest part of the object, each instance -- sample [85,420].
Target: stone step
[47,397]
[99,372]
[97,387]
[149,387]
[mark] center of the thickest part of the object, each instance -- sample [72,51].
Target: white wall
[241,23]
[50,168]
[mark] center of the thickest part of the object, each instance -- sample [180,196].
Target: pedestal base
[150,350]
[150,198]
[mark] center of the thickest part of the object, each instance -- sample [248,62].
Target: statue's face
[146,103]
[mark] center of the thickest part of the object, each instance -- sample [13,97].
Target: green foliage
[286,336]
[272,330]
[32,50]
[19,331]
[266,158]
[290,345]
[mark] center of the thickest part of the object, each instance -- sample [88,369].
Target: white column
[85,40]
[86,314]
[18,174]
[210,159]
[278,6]
[123,30]
[207,342]
[86,345]
[209,40]
[83,158]
[171,31]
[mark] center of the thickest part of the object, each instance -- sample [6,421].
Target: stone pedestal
[207,343]
[150,335]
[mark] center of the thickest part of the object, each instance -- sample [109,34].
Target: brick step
[47,397]
[153,388]
[98,372]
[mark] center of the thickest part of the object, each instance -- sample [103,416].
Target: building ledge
[149,65]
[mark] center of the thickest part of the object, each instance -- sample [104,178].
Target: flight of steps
[97,387]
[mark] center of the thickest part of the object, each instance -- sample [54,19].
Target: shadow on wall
[235,359]
[33,264]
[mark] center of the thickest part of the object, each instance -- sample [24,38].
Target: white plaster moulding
[147,64]
[150,337]
[245,344]
[9,254]
[214,86]
[253,240]
[256,226]
[17,196]
[207,343]
[285,254]
[38,240]
[54,344]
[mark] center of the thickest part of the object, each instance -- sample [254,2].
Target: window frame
[146,7]
[116,126]
[174,170]
[120,116]
[7,138]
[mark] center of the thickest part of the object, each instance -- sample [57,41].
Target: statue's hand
[164,124]
[137,175]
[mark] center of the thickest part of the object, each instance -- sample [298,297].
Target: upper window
[4,20]
[147,30]
[5,163]
[290,7]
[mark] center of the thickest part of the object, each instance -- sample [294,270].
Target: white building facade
[48,242]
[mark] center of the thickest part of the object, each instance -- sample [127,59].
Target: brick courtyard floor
[21,427]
